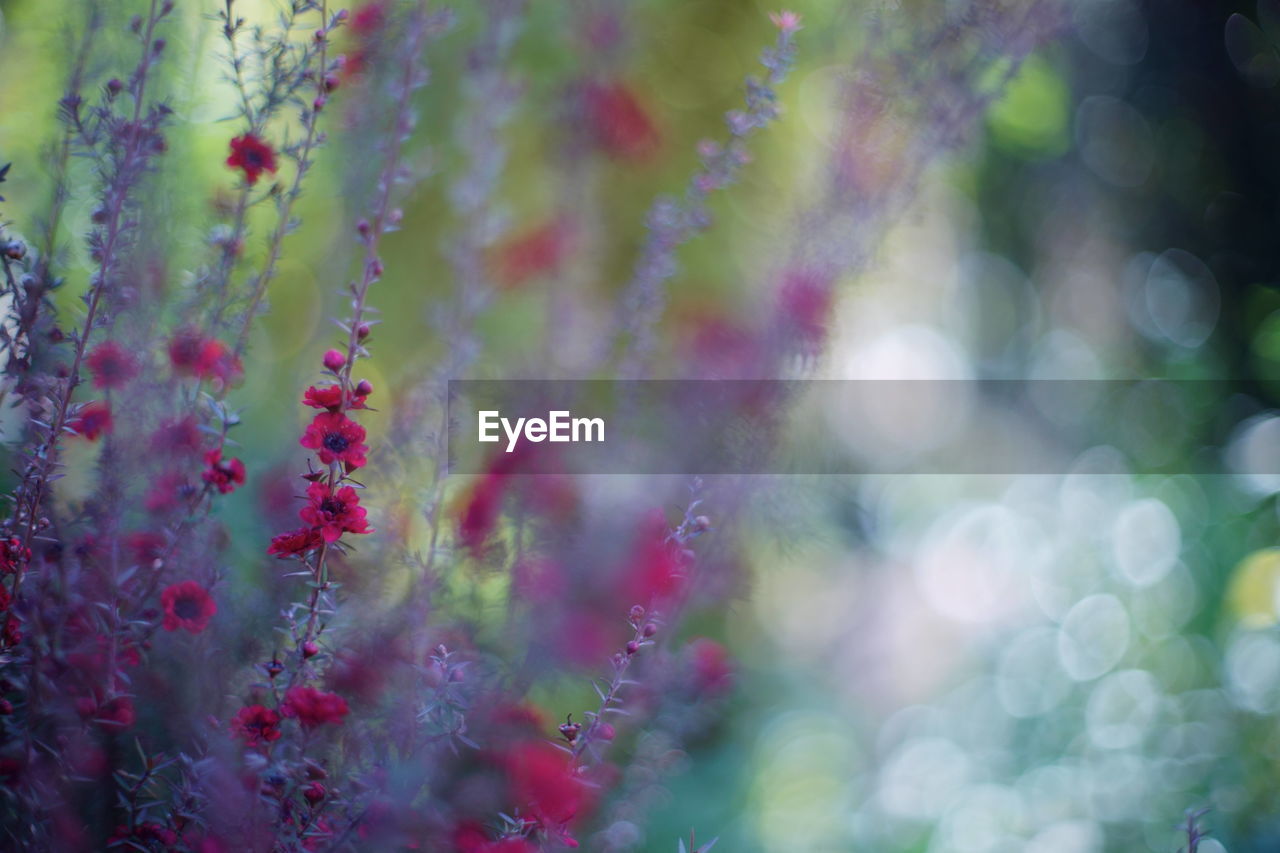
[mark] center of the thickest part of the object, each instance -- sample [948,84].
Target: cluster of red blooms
[13,556]
[332,509]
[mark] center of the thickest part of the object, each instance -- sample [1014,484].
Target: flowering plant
[353,649]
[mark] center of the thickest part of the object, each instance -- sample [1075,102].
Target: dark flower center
[186,608]
[252,158]
[332,506]
[336,442]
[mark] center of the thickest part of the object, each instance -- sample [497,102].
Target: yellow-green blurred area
[1051,663]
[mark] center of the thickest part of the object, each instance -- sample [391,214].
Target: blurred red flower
[252,156]
[187,605]
[93,420]
[544,784]
[621,125]
[312,707]
[111,364]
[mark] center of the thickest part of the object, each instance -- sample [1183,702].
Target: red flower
[480,515]
[544,784]
[167,493]
[12,555]
[192,354]
[115,714]
[295,542]
[111,364]
[369,18]
[187,605]
[257,724]
[539,251]
[147,547]
[334,513]
[180,437]
[712,666]
[314,707]
[330,397]
[93,420]
[621,124]
[253,156]
[224,475]
[338,438]
[658,567]
[143,833]
[804,301]
[471,838]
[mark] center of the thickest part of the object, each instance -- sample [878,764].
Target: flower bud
[364,388]
[314,793]
[569,729]
[650,629]
[604,731]
[310,649]
[334,360]
[362,331]
[632,647]
[637,613]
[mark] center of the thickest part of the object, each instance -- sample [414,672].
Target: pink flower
[786,21]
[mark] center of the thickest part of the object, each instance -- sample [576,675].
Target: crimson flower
[712,667]
[167,493]
[480,515]
[622,126]
[333,513]
[12,555]
[804,302]
[312,707]
[540,251]
[252,156]
[187,605]
[192,354]
[147,547]
[544,784]
[115,714]
[179,437]
[337,438]
[223,475]
[257,724]
[111,364]
[330,397]
[295,542]
[93,420]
